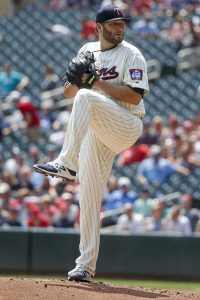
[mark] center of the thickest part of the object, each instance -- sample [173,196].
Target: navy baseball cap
[110,13]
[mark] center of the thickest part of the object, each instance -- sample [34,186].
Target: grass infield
[152,284]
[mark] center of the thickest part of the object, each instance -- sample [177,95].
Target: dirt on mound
[29,289]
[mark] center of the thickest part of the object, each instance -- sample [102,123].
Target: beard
[112,38]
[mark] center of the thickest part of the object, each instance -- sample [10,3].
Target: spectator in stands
[193,214]
[24,178]
[51,80]
[46,186]
[36,217]
[57,4]
[110,187]
[142,6]
[5,196]
[158,128]
[118,3]
[68,212]
[146,27]
[10,179]
[11,166]
[51,151]
[26,116]
[12,219]
[129,221]
[57,32]
[121,195]
[188,126]
[197,228]
[155,221]
[3,124]
[143,205]
[18,156]
[177,5]
[156,169]
[1,164]
[22,194]
[46,116]
[194,156]
[59,125]
[197,117]
[176,223]
[134,154]
[11,80]
[3,214]
[58,185]
[88,30]
[180,31]
[173,127]
[38,181]
[34,154]
[17,5]
[47,207]
[163,203]
[43,187]
[140,150]
[194,22]
[183,155]
[150,134]
[31,118]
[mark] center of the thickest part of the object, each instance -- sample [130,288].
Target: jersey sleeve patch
[136,74]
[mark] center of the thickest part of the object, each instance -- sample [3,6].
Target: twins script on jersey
[122,65]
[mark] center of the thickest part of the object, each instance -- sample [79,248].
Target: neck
[105,46]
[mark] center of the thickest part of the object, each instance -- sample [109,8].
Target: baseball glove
[82,71]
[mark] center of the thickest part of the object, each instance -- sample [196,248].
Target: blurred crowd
[181,22]
[166,147]
[31,200]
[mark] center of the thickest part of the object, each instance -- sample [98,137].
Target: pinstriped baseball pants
[98,129]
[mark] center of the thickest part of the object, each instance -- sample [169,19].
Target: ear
[98,27]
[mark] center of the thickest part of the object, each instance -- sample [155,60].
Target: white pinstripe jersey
[121,65]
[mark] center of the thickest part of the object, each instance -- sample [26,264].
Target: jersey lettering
[107,74]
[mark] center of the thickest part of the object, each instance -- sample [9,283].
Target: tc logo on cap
[117,11]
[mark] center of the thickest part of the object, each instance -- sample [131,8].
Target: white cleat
[79,274]
[55,169]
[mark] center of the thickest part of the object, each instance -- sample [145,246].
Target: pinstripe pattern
[125,57]
[99,128]
[95,165]
[115,126]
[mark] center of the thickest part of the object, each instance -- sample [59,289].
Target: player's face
[113,31]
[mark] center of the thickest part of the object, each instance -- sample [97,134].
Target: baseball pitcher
[108,80]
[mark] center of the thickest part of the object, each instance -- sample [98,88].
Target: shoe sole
[78,280]
[45,173]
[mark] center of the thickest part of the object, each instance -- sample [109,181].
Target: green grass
[152,284]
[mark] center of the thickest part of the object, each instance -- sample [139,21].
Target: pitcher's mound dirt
[29,289]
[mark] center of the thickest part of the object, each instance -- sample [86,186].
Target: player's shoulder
[131,49]
[91,46]
[127,45]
